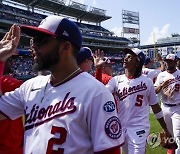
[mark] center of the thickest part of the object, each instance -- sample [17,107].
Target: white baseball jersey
[134,97]
[174,86]
[76,117]
[151,73]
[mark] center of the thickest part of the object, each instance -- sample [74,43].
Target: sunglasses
[41,40]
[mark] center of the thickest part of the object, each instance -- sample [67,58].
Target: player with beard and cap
[135,94]
[68,111]
[168,85]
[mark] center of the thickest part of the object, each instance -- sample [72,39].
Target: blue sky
[158,18]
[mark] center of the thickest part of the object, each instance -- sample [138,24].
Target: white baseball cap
[108,61]
[140,55]
[171,57]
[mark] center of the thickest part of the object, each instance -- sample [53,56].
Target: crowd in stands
[22,64]
[17,15]
[22,67]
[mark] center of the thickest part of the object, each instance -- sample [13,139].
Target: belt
[171,105]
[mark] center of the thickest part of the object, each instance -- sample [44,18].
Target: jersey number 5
[139,101]
[58,141]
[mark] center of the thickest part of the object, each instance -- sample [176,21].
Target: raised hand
[9,43]
[98,58]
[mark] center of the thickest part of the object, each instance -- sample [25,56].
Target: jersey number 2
[139,101]
[58,141]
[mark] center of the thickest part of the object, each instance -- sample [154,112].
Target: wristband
[159,115]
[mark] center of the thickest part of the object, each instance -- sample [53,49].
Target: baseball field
[155,128]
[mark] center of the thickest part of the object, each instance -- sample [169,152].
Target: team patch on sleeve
[109,106]
[113,127]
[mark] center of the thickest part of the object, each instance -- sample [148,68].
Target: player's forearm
[163,124]
[158,89]
[159,115]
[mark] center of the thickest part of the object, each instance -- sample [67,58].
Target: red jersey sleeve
[8,83]
[98,74]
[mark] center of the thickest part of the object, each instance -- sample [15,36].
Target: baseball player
[147,71]
[168,85]
[135,93]
[85,59]
[11,131]
[68,111]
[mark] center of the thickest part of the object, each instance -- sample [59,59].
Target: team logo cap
[56,26]
[171,57]
[139,53]
[108,61]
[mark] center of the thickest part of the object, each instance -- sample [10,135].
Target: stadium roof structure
[73,9]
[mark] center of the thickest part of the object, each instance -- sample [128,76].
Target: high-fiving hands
[9,43]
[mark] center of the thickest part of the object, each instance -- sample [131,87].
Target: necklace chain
[69,76]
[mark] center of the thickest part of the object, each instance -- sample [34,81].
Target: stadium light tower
[133,29]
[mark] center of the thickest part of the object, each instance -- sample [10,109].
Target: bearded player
[168,85]
[68,111]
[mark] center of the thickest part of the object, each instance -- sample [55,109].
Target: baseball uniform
[76,117]
[134,97]
[171,102]
[151,73]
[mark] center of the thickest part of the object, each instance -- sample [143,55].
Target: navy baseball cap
[139,53]
[56,26]
[83,54]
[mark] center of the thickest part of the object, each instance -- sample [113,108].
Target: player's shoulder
[90,82]
[145,78]
[164,73]
[117,77]
[38,80]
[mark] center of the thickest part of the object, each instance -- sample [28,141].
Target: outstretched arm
[8,46]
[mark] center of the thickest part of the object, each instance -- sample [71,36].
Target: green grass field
[155,128]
